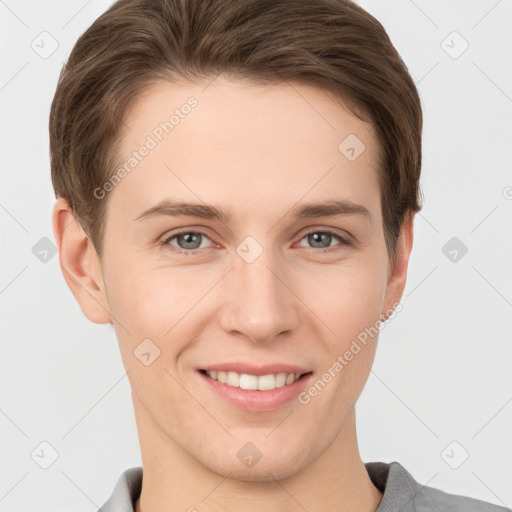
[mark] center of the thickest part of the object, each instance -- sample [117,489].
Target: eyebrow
[305,210]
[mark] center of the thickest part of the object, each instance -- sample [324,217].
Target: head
[252,110]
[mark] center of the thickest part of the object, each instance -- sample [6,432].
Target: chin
[254,476]
[261,472]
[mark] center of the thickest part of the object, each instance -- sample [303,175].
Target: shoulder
[402,492]
[430,499]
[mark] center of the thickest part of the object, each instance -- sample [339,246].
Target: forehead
[261,141]
[235,108]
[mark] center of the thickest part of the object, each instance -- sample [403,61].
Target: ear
[397,271]
[80,264]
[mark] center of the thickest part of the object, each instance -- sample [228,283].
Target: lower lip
[257,400]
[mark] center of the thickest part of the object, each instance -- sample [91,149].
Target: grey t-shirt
[400,493]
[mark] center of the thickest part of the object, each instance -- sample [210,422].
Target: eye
[188,241]
[326,236]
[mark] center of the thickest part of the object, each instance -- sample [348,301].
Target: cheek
[347,298]
[152,298]
[350,306]
[152,307]
[160,304]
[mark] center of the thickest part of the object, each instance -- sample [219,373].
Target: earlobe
[80,264]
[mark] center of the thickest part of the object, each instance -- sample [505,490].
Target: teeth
[233,379]
[246,381]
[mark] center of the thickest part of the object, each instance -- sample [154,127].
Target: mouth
[253,382]
[255,386]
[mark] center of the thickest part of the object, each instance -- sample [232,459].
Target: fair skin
[258,152]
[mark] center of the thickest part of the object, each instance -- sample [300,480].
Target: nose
[259,302]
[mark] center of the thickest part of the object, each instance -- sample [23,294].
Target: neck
[174,481]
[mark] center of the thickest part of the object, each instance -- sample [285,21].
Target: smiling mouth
[254,382]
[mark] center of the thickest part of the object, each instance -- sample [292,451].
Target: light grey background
[442,370]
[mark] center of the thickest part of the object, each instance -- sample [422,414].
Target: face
[258,289]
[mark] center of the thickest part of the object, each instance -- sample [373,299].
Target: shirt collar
[393,480]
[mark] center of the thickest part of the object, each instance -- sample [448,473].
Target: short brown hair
[333,44]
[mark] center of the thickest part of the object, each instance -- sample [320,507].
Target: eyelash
[344,241]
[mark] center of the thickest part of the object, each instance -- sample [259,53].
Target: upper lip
[253,369]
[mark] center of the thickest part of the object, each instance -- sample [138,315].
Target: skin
[259,151]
